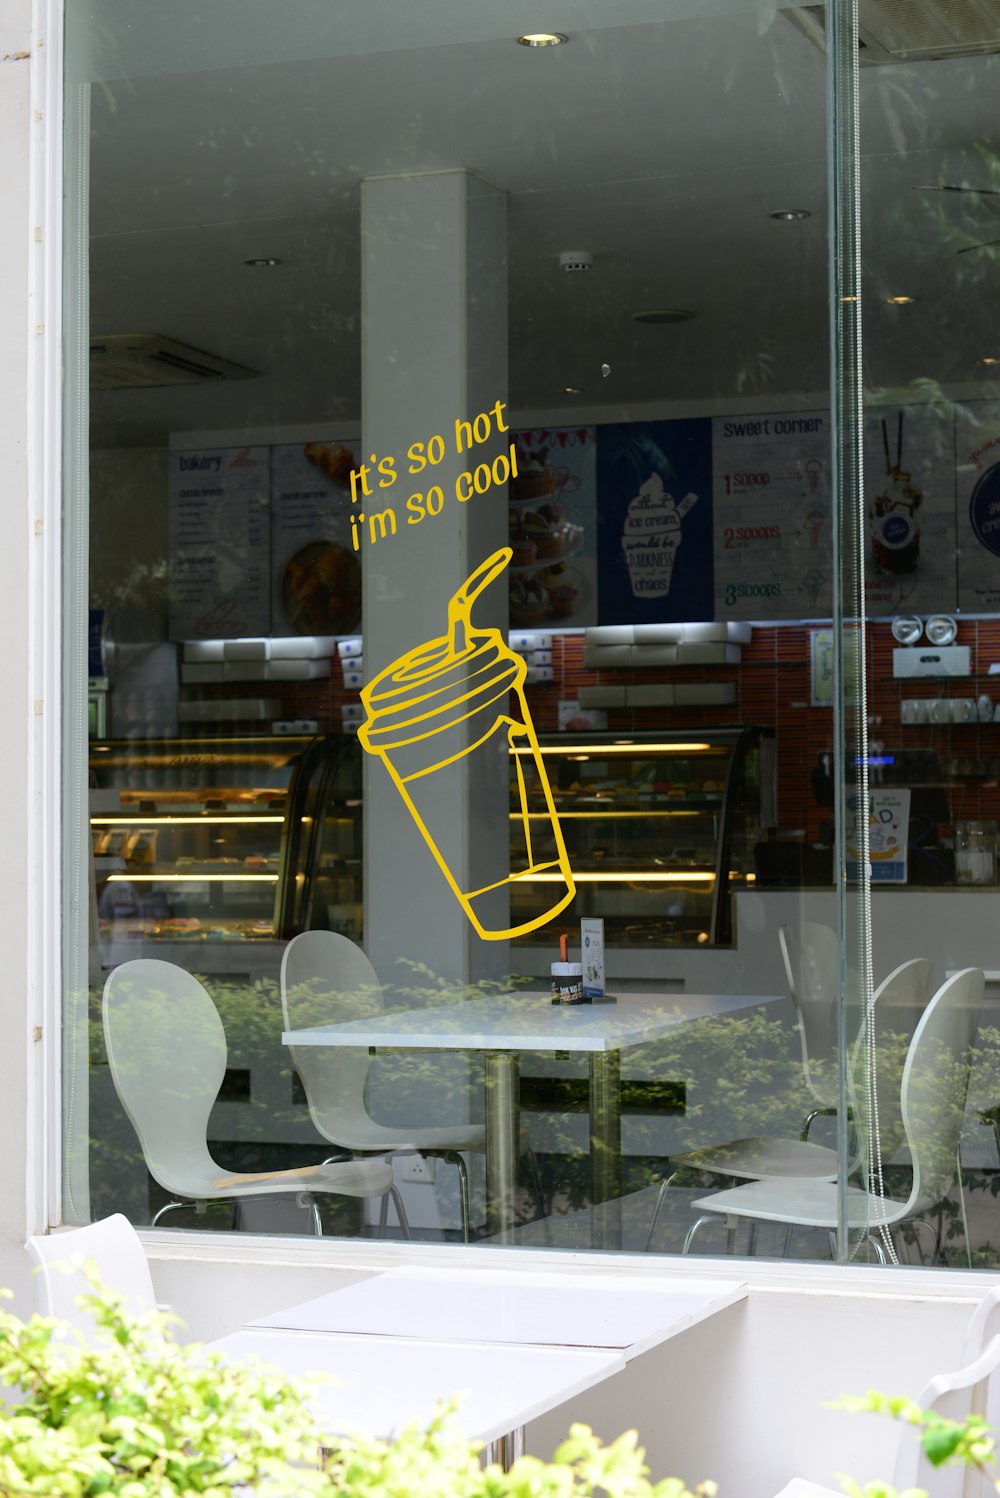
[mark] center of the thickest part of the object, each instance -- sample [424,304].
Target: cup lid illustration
[443,681]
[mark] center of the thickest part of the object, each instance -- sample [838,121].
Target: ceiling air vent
[912,30]
[140,361]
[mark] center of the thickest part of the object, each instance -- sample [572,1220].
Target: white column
[434,354]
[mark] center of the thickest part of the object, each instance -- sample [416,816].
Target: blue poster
[654,487]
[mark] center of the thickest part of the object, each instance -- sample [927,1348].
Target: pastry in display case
[660,830]
[228,840]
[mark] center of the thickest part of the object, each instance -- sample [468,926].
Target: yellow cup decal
[460,698]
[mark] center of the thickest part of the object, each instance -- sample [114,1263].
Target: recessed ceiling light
[571,390]
[542,39]
[989,359]
[660,315]
[789,215]
[899,301]
[262,262]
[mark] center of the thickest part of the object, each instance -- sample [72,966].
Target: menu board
[977,473]
[909,488]
[655,521]
[316,571]
[773,543]
[552,529]
[219,541]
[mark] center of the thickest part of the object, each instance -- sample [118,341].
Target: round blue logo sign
[984,509]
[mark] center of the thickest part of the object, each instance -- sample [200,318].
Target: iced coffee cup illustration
[652,537]
[459,699]
[894,513]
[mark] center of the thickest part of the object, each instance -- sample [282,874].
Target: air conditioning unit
[892,31]
[141,361]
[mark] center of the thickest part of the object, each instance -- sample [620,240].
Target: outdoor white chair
[167,1051]
[326,978]
[898,1003]
[114,1248]
[928,1119]
[973,1389]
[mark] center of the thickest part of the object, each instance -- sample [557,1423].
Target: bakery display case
[660,829]
[228,840]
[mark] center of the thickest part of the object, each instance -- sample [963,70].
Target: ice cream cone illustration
[814,525]
[813,470]
[813,582]
[652,537]
[894,513]
[460,698]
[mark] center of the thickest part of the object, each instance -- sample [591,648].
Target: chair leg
[810,1118]
[661,1197]
[692,1230]
[456,1158]
[786,1241]
[383,1213]
[170,1207]
[752,1238]
[397,1202]
[831,1234]
[536,1182]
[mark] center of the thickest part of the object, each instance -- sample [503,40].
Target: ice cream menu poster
[771,489]
[552,529]
[219,537]
[655,554]
[316,572]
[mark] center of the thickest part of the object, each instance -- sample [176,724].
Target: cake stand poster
[909,486]
[887,821]
[317,573]
[219,543]
[978,474]
[654,480]
[773,516]
[553,529]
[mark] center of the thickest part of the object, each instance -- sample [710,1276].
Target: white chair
[114,1247]
[167,1051]
[928,1119]
[971,1390]
[898,1002]
[810,952]
[326,978]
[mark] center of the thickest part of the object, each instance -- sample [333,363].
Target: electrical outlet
[417,1170]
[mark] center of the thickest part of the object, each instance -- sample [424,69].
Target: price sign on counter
[773,547]
[592,945]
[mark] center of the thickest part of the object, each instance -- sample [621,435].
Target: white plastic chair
[113,1246]
[971,1390]
[326,978]
[810,952]
[898,1002]
[929,1118]
[167,1051]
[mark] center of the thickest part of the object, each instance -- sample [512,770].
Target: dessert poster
[773,536]
[552,518]
[655,521]
[219,543]
[909,488]
[977,471]
[316,571]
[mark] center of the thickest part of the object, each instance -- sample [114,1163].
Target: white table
[385,1383]
[509,1307]
[503,1025]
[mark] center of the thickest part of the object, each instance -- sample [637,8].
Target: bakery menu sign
[771,491]
[316,571]
[219,536]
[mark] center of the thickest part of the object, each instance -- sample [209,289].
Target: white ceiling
[659,145]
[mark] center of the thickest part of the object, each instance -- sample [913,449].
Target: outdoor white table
[385,1383]
[506,1306]
[503,1025]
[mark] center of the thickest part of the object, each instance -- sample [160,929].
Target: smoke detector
[575,260]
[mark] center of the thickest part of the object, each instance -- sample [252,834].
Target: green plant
[968,1442]
[134,1414]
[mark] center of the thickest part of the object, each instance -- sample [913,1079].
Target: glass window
[488,591]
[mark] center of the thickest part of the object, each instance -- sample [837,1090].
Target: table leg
[606,1143]
[503,1129]
[505,1450]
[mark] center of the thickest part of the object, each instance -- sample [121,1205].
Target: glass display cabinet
[224,840]
[660,829]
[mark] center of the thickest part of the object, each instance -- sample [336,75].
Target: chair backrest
[878,1056]
[985,1324]
[114,1248]
[811,954]
[326,978]
[167,1051]
[972,1390]
[936,1084]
